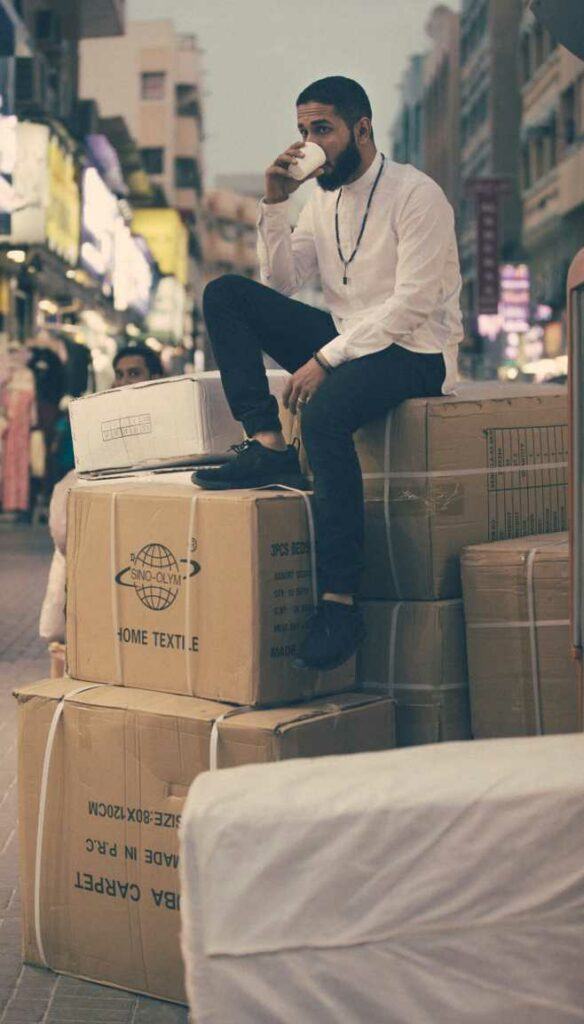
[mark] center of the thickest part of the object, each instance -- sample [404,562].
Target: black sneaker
[334,634]
[254,465]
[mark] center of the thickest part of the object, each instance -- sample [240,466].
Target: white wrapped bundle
[432,884]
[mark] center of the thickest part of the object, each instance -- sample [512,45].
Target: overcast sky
[259,54]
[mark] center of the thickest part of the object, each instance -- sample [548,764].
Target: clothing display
[18,405]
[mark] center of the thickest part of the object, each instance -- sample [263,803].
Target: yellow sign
[167,239]
[63,222]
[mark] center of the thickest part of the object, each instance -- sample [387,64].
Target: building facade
[490,114]
[552,161]
[441,102]
[406,136]
[154,83]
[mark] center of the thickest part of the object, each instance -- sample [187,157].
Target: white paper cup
[314,156]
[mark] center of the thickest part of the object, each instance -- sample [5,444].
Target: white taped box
[103,775]
[486,464]
[415,652]
[204,593]
[172,419]
[522,675]
[435,884]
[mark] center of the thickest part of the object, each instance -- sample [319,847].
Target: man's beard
[346,164]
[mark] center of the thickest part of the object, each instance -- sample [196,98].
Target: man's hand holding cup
[298,163]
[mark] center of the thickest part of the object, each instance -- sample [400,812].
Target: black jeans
[244,319]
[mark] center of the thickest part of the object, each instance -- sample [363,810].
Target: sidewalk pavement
[31,995]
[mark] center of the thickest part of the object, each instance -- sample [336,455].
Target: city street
[30,995]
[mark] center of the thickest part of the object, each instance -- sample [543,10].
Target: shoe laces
[239,449]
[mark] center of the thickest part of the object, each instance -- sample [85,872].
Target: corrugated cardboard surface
[428,678]
[121,768]
[159,420]
[503,684]
[175,588]
[456,471]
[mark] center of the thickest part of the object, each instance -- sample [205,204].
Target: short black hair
[347,97]
[150,357]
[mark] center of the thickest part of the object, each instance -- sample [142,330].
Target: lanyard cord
[345,262]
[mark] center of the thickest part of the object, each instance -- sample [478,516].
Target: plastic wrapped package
[432,885]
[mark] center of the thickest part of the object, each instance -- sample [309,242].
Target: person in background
[134,364]
[17,414]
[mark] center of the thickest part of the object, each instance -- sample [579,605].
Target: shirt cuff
[272,211]
[333,352]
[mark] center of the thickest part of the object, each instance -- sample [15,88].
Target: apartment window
[186,173]
[187,101]
[569,116]
[153,160]
[152,85]
[526,166]
[539,45]
[539,158]
[525,57]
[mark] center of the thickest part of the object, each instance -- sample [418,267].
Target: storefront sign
[30,183]
[99,215]
[514,307]
[167,240]
[133,271]
[166,319]
[63,221]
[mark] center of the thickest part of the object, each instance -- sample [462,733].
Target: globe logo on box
[155,574]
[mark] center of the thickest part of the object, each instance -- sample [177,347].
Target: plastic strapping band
[115,607]
[518,624]
[533,642]
[42,811]
[214,741]
[311,530]
[483,471]
[190,533]
[392,646]
[386,511]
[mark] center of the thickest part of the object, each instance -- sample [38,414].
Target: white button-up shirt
[404,282]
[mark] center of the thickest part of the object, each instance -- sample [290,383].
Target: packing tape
[190,533]
[42,812]
[214,741]
[115,605]
[392,647]
[518,624]
[441,688]
[311,530]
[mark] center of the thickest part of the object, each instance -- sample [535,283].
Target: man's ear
[363,129]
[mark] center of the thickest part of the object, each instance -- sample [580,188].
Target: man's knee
[320,420]
[222,290]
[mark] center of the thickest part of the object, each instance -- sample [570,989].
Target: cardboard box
[189,591]
[415,653]
[521,673]
[173,419]
[121,766]
[487,464]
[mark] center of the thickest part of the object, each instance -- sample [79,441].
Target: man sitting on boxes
[133,364]
[381,237]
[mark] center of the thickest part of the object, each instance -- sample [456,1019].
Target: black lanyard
[346,263]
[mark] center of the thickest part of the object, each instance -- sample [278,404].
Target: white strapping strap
[423,474]
[386,512]
[115,605]
[311,529]
[190,534]
[214,741]
[518,624]
[42,812]
[533,643]
[392,647]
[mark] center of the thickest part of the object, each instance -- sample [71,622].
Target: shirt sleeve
[425,234]
[287,258]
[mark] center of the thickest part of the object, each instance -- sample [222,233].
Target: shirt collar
[366,180]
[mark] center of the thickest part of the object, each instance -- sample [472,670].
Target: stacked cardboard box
[486,464]
[522,676]
[184,612]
